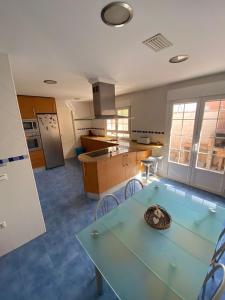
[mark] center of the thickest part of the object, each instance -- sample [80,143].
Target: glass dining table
[140,262]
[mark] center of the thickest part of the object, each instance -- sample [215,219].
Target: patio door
[181,140]
[209,155]
[196,153]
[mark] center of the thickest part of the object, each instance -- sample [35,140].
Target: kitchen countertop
[121,146]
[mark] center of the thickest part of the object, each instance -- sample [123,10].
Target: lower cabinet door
[37,159]
[131,164]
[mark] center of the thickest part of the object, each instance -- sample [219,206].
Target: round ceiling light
[117,14]
[178,59]
[50,81]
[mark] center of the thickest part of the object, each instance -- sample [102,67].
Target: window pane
[123,112]
[111,124]
[125,135]
[217,163]
[174,155]
[222,105]
[220,128]
[176,126]
[186,143]
[175,141]
[208,127]
[178,111]
[184,157]
[189,110]
[123,125]
[222,114]
[206,144]
[202,159]
[220,143]
[188,127]
[211,109]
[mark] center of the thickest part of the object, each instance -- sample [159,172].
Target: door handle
[195,147]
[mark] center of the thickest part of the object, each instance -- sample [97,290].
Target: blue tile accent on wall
[147,131]
[4,161]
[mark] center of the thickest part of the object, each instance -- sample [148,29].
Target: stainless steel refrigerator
[51,140]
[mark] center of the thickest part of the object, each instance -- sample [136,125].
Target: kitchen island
[111,163]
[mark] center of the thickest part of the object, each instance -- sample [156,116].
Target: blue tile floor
[54,265]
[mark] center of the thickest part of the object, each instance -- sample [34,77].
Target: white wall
[66,128]
[148,108]
[19,202]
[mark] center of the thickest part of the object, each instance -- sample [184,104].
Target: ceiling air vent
[157,42]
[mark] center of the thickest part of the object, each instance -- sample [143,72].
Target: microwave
[30,125]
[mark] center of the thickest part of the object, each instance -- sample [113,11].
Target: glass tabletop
[140,262]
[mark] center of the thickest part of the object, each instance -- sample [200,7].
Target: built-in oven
[30,125]
[33,142]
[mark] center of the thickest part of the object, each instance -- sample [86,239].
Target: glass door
[181,140]
[209,163]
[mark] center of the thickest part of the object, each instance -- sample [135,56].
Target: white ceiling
[65,40]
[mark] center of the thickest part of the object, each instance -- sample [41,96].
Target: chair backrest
[132,186]
[219,289]
[220,248]
[106,204]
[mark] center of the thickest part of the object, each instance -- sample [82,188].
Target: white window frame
[114,133]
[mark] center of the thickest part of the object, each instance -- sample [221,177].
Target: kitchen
[86,110]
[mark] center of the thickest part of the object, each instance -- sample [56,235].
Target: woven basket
[164,222]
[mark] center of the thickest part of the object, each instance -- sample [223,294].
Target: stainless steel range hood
[104,102]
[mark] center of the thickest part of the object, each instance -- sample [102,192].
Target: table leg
[98,281]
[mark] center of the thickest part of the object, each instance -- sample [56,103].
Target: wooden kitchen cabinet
[130,164]
[90,177]
[37,159]
[26,106]
[32,105]
[115,170]
[104,174]
[44,105]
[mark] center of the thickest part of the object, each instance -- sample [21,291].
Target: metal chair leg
[98,282]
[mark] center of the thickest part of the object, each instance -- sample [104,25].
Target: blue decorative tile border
[12,159]
[90,128]
[147,131]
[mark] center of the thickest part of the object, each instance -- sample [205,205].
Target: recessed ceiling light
[49,81]
[117,14]
[178,58]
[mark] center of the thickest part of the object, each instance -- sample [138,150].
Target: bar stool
[152,163]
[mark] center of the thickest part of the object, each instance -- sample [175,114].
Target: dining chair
[104,205]
[220,248]
[214,288]
[132,186]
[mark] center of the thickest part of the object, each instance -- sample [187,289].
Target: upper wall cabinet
[44,105]
[30,106]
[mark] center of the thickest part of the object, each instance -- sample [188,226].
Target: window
[120,127]
[181,134]
[211,153]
